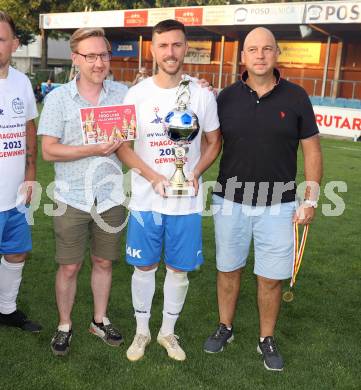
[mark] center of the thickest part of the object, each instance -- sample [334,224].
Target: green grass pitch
[318,333]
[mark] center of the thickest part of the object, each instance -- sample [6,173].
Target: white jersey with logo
[17,106]
[154,148]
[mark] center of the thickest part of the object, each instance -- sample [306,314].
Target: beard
[172,72]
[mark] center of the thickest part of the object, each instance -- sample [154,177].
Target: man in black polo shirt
[263,119]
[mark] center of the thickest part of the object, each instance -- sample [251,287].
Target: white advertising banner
[156,15]
[280,13]
[218,15]
[333,12]
[344,122]
[242,14]
[82,19]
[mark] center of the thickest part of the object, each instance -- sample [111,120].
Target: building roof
[341,19]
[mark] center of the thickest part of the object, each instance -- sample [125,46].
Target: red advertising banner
[105,124]
[189,16]
[135,18]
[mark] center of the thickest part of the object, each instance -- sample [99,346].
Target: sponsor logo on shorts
[18,105]
[132,252]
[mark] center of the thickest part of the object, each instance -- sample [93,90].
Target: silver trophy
[181,126]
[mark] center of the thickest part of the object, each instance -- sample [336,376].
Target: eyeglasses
[91,58]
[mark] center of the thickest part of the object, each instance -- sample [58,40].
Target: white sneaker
[137,348]
[171,344]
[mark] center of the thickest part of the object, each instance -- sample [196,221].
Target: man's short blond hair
[85,33]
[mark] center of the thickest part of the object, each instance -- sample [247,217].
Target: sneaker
[271,357]
[106,332]
[171,344]
[60,343]
[218,340]
[18,319]
[137,348]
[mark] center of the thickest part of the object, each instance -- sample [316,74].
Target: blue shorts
[271,229]
[15,236]
[180,234]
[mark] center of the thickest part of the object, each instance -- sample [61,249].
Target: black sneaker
[216,342]
[106,332]
[18,319]
[271,357]
[60,343]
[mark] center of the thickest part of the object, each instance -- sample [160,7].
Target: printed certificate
[107,123]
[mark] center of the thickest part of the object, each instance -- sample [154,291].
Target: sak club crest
[18,105]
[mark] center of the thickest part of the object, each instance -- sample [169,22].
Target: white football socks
[10,279]
[143,288]
[175,292]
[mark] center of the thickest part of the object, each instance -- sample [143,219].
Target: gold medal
[287,296]
[299,249]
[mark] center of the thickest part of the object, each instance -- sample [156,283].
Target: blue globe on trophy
[181,125]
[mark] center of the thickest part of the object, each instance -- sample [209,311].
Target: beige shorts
[74,228]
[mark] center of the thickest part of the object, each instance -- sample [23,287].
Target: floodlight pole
[337,73]
[325,69]
[140,44]
[44,48]
[221,64]
[235,61]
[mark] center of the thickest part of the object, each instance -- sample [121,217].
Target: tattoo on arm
[31,150]
[29,156]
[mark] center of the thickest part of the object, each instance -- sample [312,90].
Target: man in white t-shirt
[155,219]
[18,168]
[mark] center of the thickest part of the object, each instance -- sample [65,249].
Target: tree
[26,18]
[26,15]
[186,3]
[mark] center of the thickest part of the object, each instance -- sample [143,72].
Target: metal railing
[127,75]
[56,75]
[344,88]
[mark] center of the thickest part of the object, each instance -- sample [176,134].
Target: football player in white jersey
[18,159]
[157,221]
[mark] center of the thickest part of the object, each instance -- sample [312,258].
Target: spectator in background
[38,94]
[141,75]
[49,87]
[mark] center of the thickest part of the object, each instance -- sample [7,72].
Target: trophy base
[173,192]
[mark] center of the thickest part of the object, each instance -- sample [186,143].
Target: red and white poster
[344,122]
[189,16]
[135,18]
[105,124]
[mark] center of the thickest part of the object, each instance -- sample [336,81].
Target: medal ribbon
[298,250]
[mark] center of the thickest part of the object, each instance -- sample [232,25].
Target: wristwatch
[311,203]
